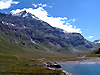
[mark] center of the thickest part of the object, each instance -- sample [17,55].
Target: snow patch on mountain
[8,23]
[25,14]
[97,41]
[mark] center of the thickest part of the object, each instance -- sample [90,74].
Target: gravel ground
[92,60]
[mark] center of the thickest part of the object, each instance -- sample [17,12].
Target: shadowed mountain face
[26,27]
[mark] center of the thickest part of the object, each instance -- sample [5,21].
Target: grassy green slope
[6,47]
[14,58]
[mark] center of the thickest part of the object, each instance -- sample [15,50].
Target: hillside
[26,30]
[25,40]
[95,53]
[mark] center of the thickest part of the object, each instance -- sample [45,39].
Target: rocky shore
[66,73]
[90,60]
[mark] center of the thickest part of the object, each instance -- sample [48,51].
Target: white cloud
[44,5]
[5,4]
[72,20]
[59,22]
[50,6]
[67,23]
[40,5]
[90,37]
[15,2]
[35,5]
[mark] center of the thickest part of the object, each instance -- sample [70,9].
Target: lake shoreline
[89,60]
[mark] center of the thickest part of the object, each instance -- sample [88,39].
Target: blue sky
[80,16]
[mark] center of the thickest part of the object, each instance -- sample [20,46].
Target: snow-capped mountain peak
[26,15]
[97,41]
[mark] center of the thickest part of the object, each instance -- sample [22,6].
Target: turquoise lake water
[82,69]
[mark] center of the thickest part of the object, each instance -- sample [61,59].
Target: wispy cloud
[59,22]
[39,4]
[35,5]
[50,6]
[5,4]
[90,37]
[72,20]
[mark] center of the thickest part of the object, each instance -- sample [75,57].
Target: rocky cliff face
[27,27]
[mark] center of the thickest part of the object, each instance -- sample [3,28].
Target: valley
[23,38]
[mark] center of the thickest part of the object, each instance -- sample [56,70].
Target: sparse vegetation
[11,65]
[95,53]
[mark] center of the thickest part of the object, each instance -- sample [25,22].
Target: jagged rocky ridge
[29,28]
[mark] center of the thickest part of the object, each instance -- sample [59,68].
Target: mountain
[26,15]
[97,41]
[95,53]
[25,29]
